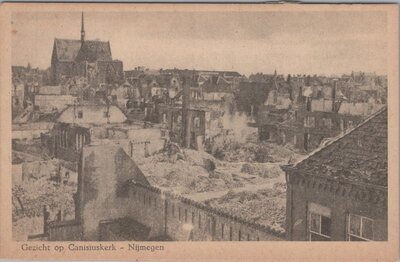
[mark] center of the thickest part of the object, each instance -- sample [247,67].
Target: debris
[269,171]
[266,207]
[34,194]
[209,165]
[230,148]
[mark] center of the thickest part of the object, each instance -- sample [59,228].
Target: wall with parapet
[183,219]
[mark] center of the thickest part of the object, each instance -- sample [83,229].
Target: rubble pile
[266,206]
[232,149]
[264,170]
[33,147]
[30,197]
[187,171]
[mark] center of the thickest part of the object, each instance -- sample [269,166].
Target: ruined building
[189,122]
[307,116]
[339,192]
[84,58]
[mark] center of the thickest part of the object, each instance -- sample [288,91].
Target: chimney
[334,96]
[185,111]
[46,219]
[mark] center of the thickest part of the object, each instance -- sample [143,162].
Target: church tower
[82,30]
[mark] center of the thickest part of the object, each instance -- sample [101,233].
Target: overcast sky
[291,42]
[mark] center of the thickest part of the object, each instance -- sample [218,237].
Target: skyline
[292,42]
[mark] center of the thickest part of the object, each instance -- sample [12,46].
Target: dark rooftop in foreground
[359,156]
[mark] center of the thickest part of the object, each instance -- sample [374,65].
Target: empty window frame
[196,122]
[309,121]
[319,223]
[359,228]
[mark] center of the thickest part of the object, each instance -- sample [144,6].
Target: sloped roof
[93,51]
[231,74]
[133,73]
[112,158]
[359,156]
[216,83]
[67,50]
[223,80]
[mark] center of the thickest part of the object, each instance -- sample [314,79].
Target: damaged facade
[189,120]
[308,115]
[66,140]
[203,124]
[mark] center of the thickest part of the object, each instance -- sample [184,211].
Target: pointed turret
[82,30]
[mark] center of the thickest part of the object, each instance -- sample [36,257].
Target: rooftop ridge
[66,39]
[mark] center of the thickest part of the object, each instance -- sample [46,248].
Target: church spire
[82,30]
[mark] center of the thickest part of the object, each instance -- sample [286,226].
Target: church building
[81,58]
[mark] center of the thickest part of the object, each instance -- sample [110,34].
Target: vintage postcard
[199,132]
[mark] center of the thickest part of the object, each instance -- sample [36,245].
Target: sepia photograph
[165,125]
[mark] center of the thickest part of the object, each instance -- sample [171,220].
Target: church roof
[66,49]
[93,51]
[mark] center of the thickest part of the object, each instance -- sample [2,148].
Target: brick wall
[68,230]
[147,207]
[167,214]
[341,198]
[183,219]
[347,176]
